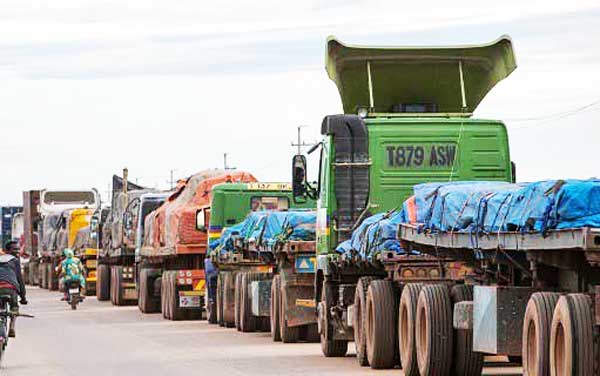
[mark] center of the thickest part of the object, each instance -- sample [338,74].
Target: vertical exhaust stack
[125,185]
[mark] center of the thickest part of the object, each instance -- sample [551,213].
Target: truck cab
[407,120]
[55,207]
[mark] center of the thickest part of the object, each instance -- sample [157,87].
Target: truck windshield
[270,203]
[57,197]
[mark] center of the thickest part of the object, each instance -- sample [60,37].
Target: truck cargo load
[264,230]
[170,266]
[176,219]
[492,207]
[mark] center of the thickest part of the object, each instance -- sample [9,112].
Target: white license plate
[189,301]
[73,291]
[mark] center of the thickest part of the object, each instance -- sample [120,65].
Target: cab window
[270,203]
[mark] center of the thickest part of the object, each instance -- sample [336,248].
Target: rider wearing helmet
[71,270]
[11,281]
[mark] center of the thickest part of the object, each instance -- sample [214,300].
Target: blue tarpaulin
[482,207]
[268,228]
[492,207]
[375,234]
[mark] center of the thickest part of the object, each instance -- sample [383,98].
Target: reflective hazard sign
[305,264]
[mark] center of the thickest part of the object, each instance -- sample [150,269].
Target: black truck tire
[434,332]
[147,302]
[248,322]
[175,313]
[165,296]
[89,290]
[164,308]
[289,334]
[330,347]
[171,298]
[52,277]
[211,307]
[274,308]
[228,300]
[536,333]
[238,301]
[32,271]
[571,337]
[310,333]
[359,320]
[381,325]
[219,300]
[47,276]
[407,313]
[43,275]
[465,361]
[25,273]
[103,282]
[116,279]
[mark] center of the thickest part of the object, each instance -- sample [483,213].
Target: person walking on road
[11,281]
[71,270]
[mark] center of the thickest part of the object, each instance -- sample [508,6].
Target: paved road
[99,339]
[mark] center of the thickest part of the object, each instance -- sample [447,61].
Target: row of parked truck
[348,258]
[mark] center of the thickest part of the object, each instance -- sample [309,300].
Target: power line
[549,120]
[556,115]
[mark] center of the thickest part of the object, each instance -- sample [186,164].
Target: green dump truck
[246,283]
[407,120]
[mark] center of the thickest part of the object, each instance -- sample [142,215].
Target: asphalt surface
[99,339]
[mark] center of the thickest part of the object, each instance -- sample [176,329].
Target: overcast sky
[87,88]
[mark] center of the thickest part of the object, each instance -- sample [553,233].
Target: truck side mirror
[200,221]
[513,171]
[299,177]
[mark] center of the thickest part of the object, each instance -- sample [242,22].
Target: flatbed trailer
[274,293]
[534,295]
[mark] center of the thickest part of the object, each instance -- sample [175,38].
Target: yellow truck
[76,235]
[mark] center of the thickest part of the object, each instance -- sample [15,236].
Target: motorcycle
[74,296]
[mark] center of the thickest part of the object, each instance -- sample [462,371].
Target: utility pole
[225,166]
[301,143]
[171,181]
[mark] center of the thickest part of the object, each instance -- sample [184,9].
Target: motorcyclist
[11,281]
[71,270]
